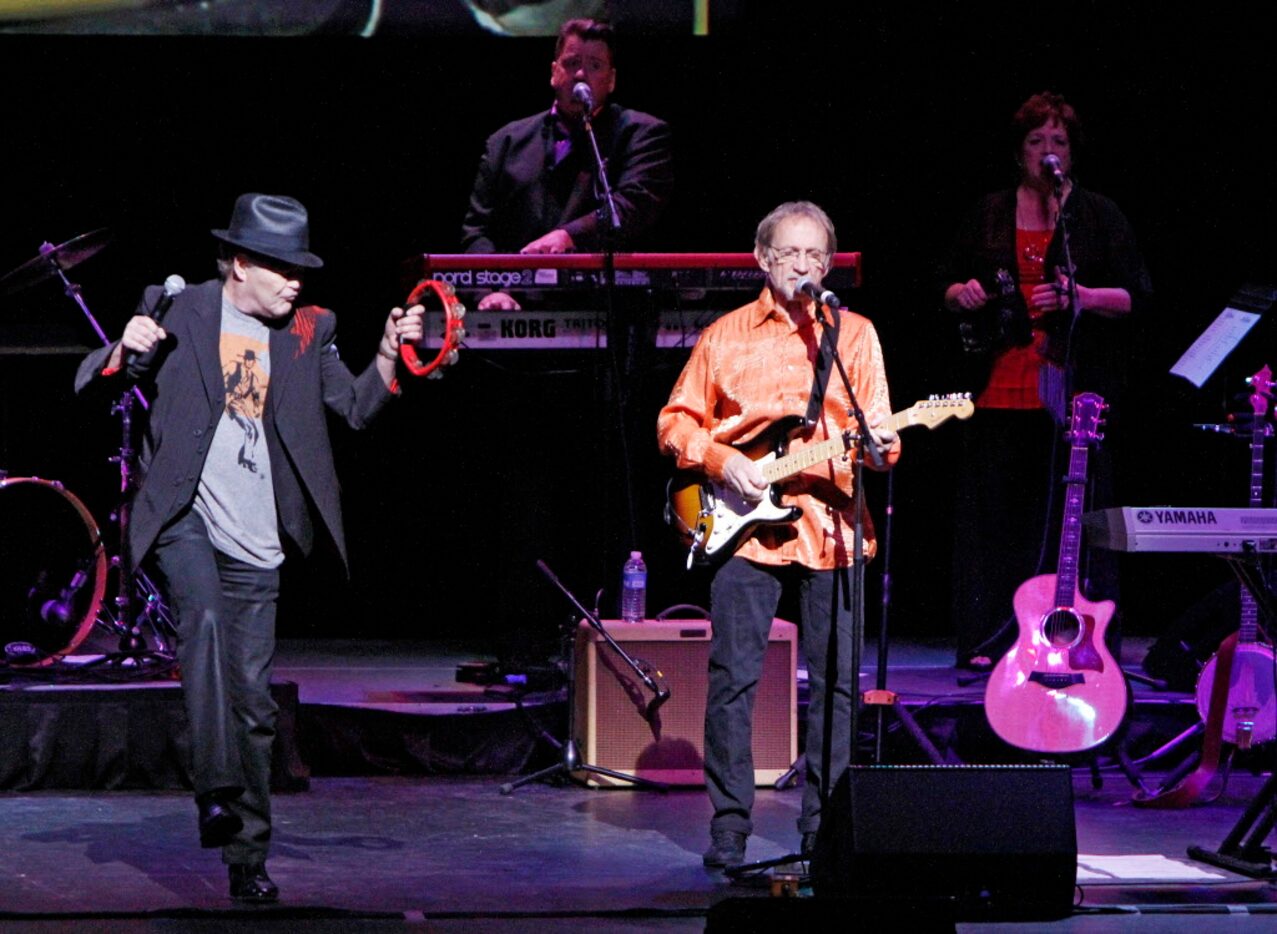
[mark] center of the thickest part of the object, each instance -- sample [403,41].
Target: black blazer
[183,382]
[520,194]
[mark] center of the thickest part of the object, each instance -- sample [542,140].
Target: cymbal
[52,258]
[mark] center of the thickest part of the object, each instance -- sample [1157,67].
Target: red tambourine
[453,332]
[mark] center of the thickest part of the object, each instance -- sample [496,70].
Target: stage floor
[373,851]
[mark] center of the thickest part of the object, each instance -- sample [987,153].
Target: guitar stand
[570,760]
[1243,851]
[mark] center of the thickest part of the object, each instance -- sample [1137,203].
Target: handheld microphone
[581,92]
[173,286]
[824,296]
[1052,166]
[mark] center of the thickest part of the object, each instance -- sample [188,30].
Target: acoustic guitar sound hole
[1061,628]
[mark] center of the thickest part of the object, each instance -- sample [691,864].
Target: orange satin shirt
[752,367]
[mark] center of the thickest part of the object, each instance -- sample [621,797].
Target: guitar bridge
[1056,680]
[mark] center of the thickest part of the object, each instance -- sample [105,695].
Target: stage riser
[131,737]
[135,737]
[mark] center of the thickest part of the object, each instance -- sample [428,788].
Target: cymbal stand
[139,606]
[128,620]
[570,760]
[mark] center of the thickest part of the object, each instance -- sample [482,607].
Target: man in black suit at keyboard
[536,190]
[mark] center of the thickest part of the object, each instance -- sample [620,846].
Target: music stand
[570,760]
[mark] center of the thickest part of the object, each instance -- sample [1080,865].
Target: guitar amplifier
[611,702]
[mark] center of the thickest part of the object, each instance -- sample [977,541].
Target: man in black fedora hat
[231,362]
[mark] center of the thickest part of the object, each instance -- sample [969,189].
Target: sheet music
[1213,345]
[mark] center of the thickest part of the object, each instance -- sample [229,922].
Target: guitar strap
[824,364]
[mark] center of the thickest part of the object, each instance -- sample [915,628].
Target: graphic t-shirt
[235,495]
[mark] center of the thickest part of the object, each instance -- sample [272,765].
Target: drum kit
[53,591]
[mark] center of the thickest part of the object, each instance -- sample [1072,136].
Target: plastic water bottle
[634,589]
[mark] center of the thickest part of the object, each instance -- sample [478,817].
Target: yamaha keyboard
[563,297]
[1207,530]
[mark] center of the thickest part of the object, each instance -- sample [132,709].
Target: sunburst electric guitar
[712,519]
[1058,690]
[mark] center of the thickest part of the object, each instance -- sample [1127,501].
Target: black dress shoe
[727,848]
[218,823]
[249,883]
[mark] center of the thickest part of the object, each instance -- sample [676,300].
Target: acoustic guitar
[1059,690]
[712,519]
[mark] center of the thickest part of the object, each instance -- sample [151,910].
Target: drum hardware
[51,586]
[52,260]
[138,605]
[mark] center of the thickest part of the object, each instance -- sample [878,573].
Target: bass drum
[53,571]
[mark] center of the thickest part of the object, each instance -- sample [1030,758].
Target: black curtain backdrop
[893,121]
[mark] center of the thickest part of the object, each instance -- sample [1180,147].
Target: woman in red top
[1005,279]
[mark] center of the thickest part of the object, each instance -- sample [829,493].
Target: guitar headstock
[1088,419]
[936,409]
[1261,385]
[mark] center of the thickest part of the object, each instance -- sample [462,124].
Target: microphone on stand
[655,703]
[173,286]
[59,609]
[581,92]
[1052,166]
[824,296]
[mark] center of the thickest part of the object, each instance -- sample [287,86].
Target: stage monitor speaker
[611,702]
[979,842]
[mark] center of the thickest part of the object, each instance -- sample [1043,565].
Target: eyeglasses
[790,254]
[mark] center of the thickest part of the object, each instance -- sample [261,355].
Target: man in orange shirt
[749,369]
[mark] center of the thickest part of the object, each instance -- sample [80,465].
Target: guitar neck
[1248,623]
[1071,533]
[784,467]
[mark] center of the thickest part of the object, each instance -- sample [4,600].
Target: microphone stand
[1070,277]
[864,445]
[880,696]
[607,210]
[621,330]
[571,760]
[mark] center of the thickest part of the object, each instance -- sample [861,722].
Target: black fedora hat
[274,226]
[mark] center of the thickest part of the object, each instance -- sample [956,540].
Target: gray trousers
[743,601]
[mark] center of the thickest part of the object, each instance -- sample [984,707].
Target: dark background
[893,120]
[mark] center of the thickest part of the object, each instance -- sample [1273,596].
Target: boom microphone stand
[571,754]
